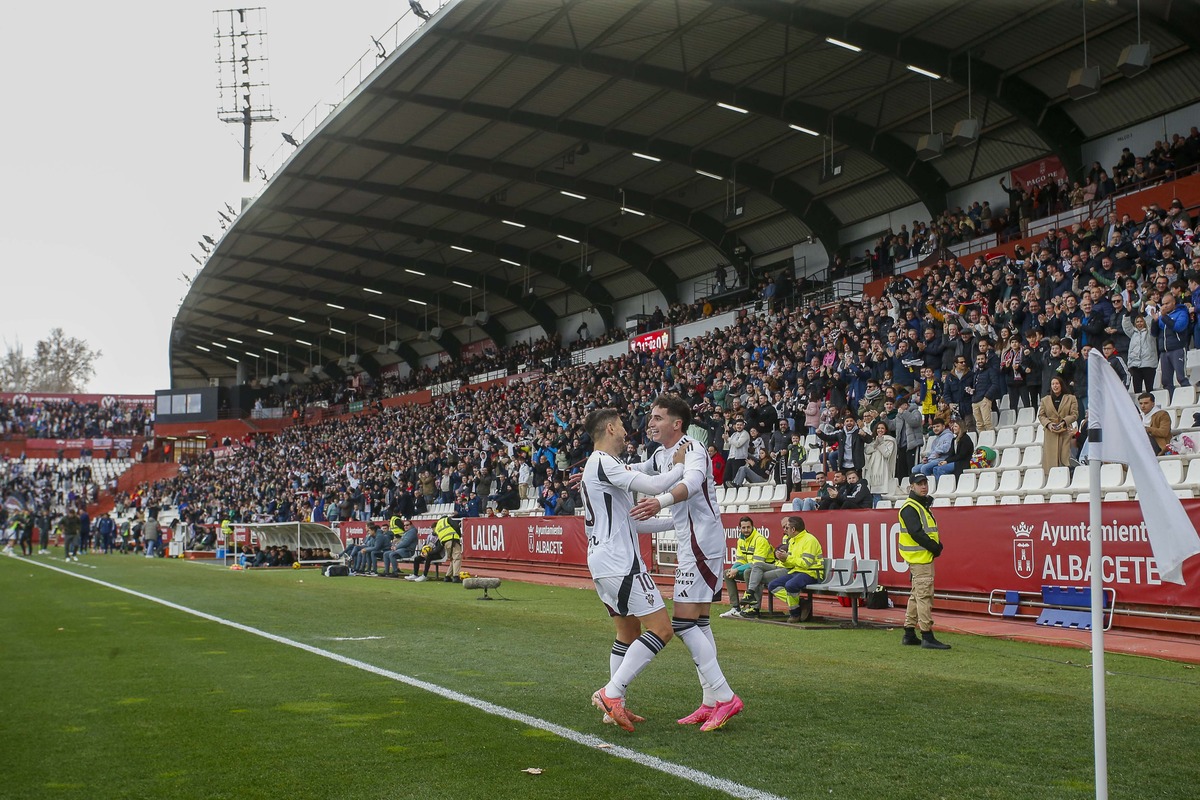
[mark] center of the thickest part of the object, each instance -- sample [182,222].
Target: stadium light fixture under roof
[376,316]
[269,350]
[571,194]
[418,302]
[924,72]
[337,330]
[297,319]
[459,249]
[709,175]
[234,360]
[202,347]
[218,344]
[629,210]
[253,355]
[267,333]
[510,261]
[464,285]
[372,291]
[335,305]
[235,341]
[514,224]
[568,239]
[414,272]
[306,344]
[729,107]
[802,129]
[844,45]
[648,158]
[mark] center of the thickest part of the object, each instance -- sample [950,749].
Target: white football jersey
[607,490]
[698,527]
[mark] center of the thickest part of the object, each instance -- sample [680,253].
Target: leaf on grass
[533,771]
[604,746]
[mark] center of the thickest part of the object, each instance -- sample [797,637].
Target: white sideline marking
[349,638]
[587,740]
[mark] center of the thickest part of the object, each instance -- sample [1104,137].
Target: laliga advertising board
[991,547]
[1015,547]
[546,540]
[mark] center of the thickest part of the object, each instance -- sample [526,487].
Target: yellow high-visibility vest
[910,551]
[445,532]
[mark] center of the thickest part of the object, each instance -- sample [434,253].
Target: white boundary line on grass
[587,740]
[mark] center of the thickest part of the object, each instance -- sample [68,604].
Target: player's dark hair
[596,420]
[675,406]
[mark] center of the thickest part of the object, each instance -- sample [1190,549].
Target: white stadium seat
[1033,498]
[1031,456]
[986,500]
[1009,500]
[944,486]
[1173,469]
[1026,416]
[1024,436]
[966,482]
[1005,437]
[1058,479]
[1010,458]
[986,439]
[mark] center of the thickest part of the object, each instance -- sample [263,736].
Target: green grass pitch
[110,695]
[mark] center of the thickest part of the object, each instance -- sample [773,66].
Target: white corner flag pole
[1099,723]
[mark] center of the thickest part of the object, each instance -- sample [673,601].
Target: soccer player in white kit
[701,546]
[615,561]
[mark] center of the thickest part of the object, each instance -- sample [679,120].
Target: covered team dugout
[296,536]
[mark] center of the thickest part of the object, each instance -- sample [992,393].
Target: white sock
[616,656]
[712,679]
[702,624]
[639,655]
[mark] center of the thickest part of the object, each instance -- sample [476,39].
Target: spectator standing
[985,389]
[1169,326]
[880,470]
[738,443]
[1058,412]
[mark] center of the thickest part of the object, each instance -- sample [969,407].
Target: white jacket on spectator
[739,444]
[1143,352]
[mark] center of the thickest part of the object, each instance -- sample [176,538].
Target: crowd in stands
[1029,203]
[871,379]
[70,419]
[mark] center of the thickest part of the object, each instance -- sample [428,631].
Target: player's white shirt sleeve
[647,467]
[633,480]
[656,525]
[695,468]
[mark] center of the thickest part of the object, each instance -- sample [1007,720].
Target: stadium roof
[532,159]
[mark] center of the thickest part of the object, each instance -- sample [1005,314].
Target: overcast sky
[114,162]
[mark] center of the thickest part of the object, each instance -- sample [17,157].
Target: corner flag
[1124,441]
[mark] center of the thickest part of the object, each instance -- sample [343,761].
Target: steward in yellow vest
[920,543]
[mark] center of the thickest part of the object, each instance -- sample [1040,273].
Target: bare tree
[16,371]
[59,363]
